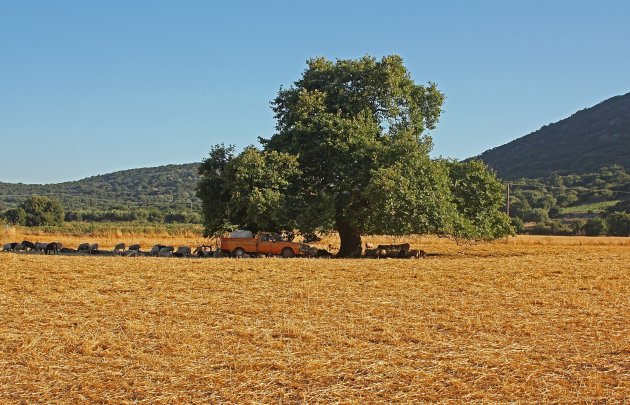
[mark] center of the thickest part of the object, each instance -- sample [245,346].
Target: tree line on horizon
[46,211]
[591,204]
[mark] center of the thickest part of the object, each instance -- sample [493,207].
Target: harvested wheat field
[491,322]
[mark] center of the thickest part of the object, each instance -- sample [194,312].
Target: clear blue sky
[90,87]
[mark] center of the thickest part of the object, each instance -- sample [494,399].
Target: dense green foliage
[153,215]
[155,194]
[585,142]
[119,229]
[558,203]
[620,206]
[595,227]
[350,154]
[36,211]
[247,191]
[15,216]
[164,187]
[618,224]
[478,195]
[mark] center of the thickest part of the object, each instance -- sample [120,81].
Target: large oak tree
[351,154]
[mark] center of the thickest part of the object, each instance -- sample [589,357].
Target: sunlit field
[522,319]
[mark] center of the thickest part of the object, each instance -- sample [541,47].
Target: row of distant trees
[615,224]
[153,215]
[46,211]
[533,199]
[36,211]
[573,204]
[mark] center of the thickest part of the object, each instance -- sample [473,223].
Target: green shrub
[541,228]
[537,215]
[618,224]
[595,227]
[577,227]
[518,224]
[15,216]
[42,211]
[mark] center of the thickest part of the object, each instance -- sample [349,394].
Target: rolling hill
[582,143]
[167,186]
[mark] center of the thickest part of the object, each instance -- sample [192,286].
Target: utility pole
[507,199]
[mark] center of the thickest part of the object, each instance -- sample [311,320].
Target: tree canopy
[351,154]
[41,210]
[248,191]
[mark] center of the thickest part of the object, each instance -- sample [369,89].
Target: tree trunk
[350,239]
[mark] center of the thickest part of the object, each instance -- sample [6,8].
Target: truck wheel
[239,252]
[288,252]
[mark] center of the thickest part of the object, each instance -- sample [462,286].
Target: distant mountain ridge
[584,142]
[163,186]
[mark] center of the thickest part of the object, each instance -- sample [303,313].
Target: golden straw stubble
[487,322]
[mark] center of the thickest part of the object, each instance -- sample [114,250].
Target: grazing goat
[312,252]
[156,249]
[84,247]
[402,246]
[166,251]
[324,253]
[131,253]
[40,246]
[182,251]
[203,251]
[415,254]
[162,251]
[26,245]
[53,248]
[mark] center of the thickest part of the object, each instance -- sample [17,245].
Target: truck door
[266,244]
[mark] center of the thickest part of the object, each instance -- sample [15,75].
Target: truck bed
[231,244]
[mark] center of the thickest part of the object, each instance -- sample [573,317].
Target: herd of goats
[204,251]
[120,249]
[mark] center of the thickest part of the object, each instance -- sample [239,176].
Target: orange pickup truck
[265,243]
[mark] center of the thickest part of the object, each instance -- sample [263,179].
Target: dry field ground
[527,319]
